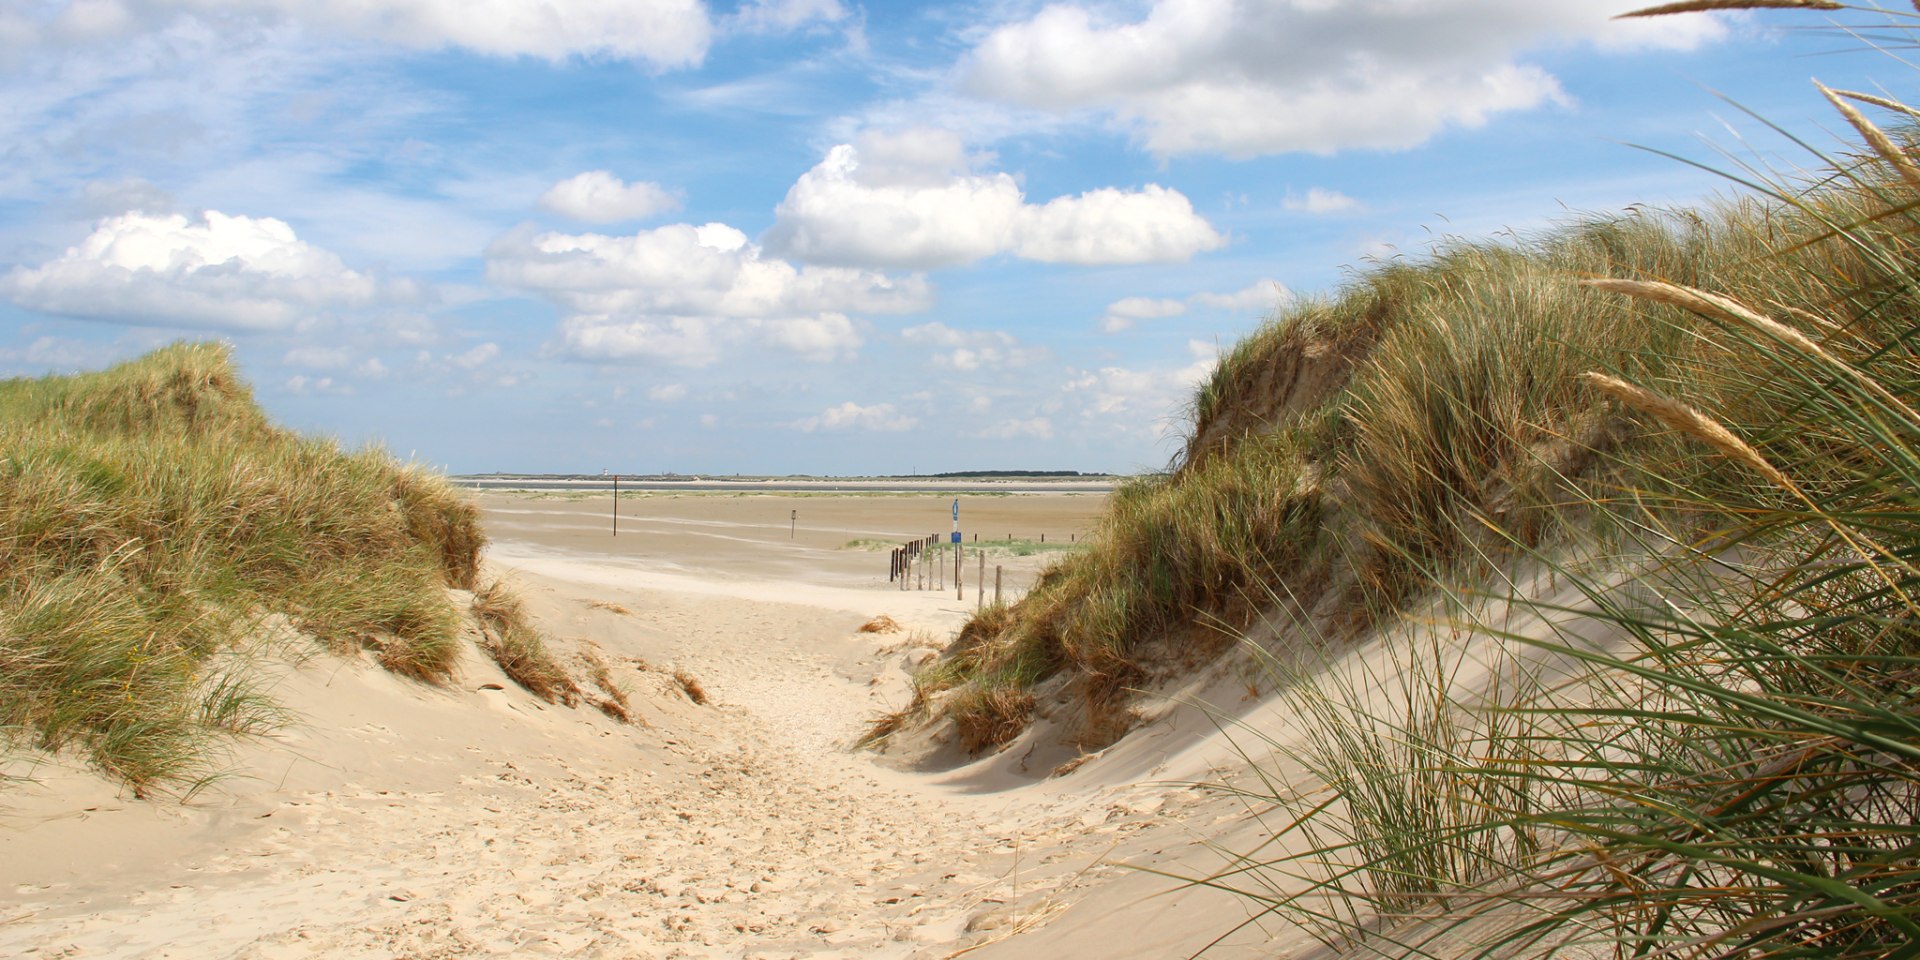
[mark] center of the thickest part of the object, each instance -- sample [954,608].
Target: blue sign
[956,511]
[956,536]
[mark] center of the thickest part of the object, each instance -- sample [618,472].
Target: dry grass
[153,517]
[617,701]
[1360,450]
[1711,751]
[881,624]
[510,638]
[691,686]
[610,607]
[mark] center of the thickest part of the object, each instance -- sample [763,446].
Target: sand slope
[399,820]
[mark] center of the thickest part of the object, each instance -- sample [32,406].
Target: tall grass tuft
[513,643]
[151,516]
[1725,760]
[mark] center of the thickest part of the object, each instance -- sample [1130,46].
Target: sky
[813,236]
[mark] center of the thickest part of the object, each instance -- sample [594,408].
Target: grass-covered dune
[1362,448]
[1651,484]
[152,520]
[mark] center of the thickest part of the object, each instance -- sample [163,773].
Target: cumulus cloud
[829,336]
[1320,200]
[667,393]
[600,197]
[1122,315]
[230,272]
[913,200]
[1249,77]
[681,293]
[661,33]
[968,350]
[880,417]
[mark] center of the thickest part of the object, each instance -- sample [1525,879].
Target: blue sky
[808,235]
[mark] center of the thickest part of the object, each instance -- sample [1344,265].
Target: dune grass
[1725,761]
[513,643]
[1360,450]
[150,517]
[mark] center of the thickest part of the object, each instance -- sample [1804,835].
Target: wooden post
[616,504]
[996,584]
[980,593]
[793,524]
[959,589]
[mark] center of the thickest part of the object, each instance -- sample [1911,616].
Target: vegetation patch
[152,518]
[513,643]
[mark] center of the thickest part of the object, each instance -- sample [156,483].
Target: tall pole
[616,504]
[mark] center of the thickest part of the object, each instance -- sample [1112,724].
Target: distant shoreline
[1011,484]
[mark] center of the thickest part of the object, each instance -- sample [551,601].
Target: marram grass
[151,518]
[1705,741]
[1360,450]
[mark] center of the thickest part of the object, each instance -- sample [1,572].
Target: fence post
[959,589]
[980,592]
[996,584]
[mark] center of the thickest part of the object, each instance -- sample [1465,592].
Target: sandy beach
[393,819]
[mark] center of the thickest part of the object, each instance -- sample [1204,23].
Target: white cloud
[681,293]
[600,197]
[304,385]
[231,272]
[1123,314]
[1150,225]
[667,392]
[1145,402]
[477,357]
[1319,200]
[829,336]
[662,33]
[1260,295]
[968,350]
[911,200]
[1248,77]
[880,417]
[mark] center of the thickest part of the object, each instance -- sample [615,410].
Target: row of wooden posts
[916,565]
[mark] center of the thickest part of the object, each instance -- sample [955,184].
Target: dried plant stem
[1703,6]
[1698,425]
[1713,305]
[1692,422]
[1882,102]
[1875,137]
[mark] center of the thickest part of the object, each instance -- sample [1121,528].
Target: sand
[401,820]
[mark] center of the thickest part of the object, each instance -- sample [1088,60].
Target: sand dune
[398,820]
